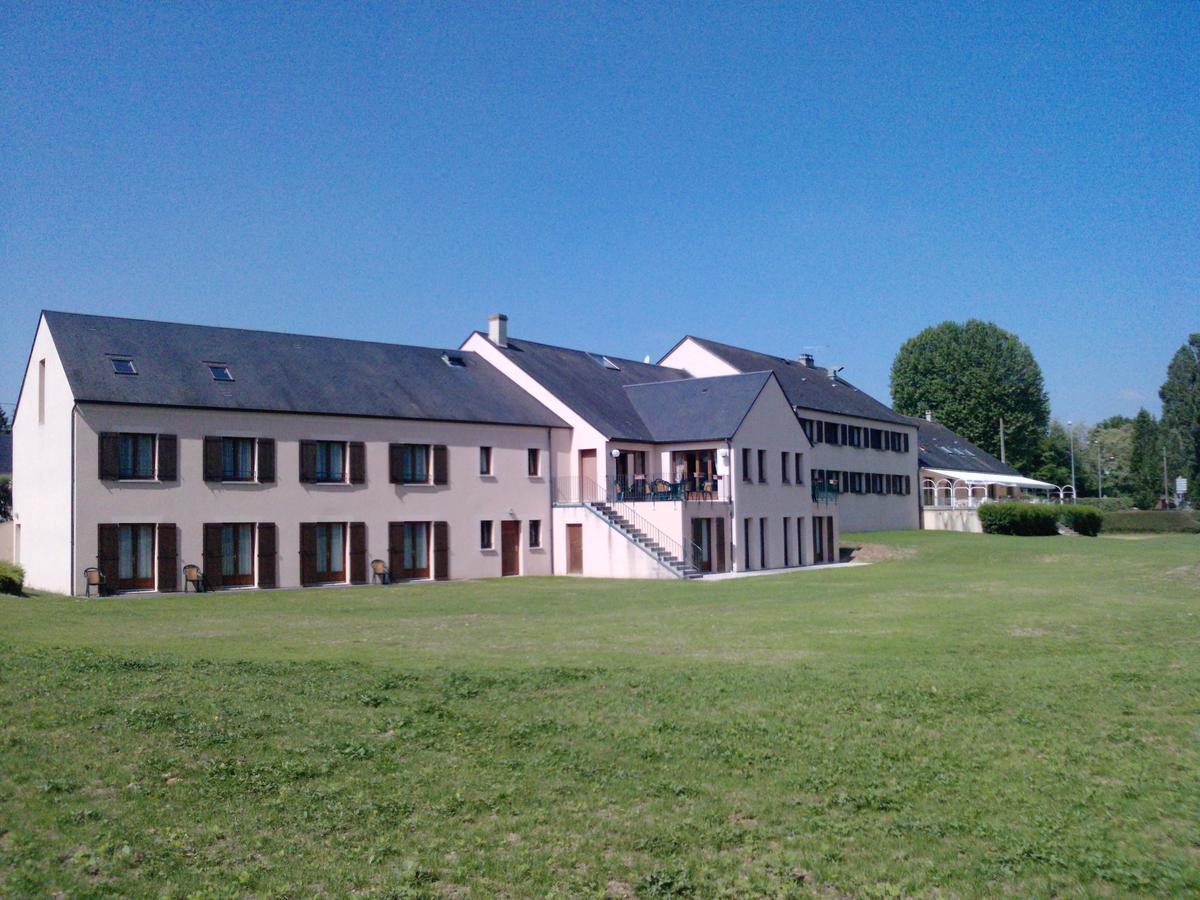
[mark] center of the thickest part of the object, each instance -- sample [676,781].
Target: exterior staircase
[619,522]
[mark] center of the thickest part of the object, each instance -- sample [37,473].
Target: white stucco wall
[966,520]
[606,552]
[856,512]
[468,498]
[42,448]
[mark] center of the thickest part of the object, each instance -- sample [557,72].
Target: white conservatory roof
[991,478]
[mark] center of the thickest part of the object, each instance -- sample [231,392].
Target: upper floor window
[807,425]
[535,462]
[799,468]
[331,461]
[783,468]
[746,476]
[762,466]
[237,459]
[123,365]
[854,435]
[135,456]
[414,463]
[876,438]
[485,460]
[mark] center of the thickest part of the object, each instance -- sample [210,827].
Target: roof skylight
[454,360]
[123,365]
[220,372]
[604,361]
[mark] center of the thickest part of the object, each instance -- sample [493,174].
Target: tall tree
[971,375]
[1145,461]
[1109,445]
[3,420]
[1180,395]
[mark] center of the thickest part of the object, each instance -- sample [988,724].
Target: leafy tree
[4,426]
[1054,458]
[971,375]
[1180,395]
[1113,438]
[5,498]
[1145,461]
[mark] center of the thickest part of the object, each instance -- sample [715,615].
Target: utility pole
[1166,483]
[1002,439]
[1099,473]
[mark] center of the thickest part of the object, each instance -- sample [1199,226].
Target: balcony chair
[94,578]
[380,573]
[193,576]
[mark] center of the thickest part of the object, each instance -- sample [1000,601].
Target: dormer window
[123,365]
[454,361]
[604,361]
[220,372]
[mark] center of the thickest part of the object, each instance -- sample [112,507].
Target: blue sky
[798,178]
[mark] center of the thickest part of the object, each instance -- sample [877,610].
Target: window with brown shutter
[441,551]
[106,554]
[168,557]
[358,553]
[211,563]
[268,550]
[110,456]
[168,459]
[266,460]
[441,464]
[358,462]
[212,458]
[308,461]
[396,463]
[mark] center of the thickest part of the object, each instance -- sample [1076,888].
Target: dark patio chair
[194,577]
[380,573]
[94,580]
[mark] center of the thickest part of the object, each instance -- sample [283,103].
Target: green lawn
[976,716]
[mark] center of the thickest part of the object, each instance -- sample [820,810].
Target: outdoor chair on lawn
[95,580]
[380,573]
[193,576]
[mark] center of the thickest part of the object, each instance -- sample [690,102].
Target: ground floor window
[486,539]
[746,542]
[412,550]
[331,551]
[535,533]
[818,538]
[787,541]
[799,540]
[135,557]
[237,554]
[762,543]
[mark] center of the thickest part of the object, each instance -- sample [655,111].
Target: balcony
[639,489]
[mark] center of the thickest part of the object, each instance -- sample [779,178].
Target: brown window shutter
[358,553]
[106,554]
[441,464]
[395,463]
[168,555]
[308,552]
[268,544]
[308,465]
[110,458]
[212,459]
[395,544]
[358,462]
[212,555]
[266,460]
[168,459]
[441,551]
[720,542]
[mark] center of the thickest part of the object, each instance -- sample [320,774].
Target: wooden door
[587,474]
[574,549]
[510,547]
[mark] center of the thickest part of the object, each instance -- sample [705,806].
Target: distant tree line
[972,375]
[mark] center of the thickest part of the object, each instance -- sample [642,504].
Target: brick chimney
[498,329]
[806,360]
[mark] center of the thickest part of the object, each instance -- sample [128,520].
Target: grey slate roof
[696,409]
[276,372]
[940,448]
[806,387]
[591,389]
[5,452]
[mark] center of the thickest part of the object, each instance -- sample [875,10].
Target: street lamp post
[1071,435]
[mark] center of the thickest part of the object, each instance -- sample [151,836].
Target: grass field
[972,716]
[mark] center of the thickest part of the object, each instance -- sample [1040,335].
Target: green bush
[1107,504]
[1027,519]
[12,578]
[1083,520]
[1160,521]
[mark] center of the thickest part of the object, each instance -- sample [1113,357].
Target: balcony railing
[636,489]
[823,493]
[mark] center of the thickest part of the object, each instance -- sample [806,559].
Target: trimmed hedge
[1027,519]
[12,579]
[1160,521]
[1107,504]
[1083,520]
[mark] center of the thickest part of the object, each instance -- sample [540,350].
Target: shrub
[1162,521]
[1083,520]
[1108,504]
[1028,519]
[12,578]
